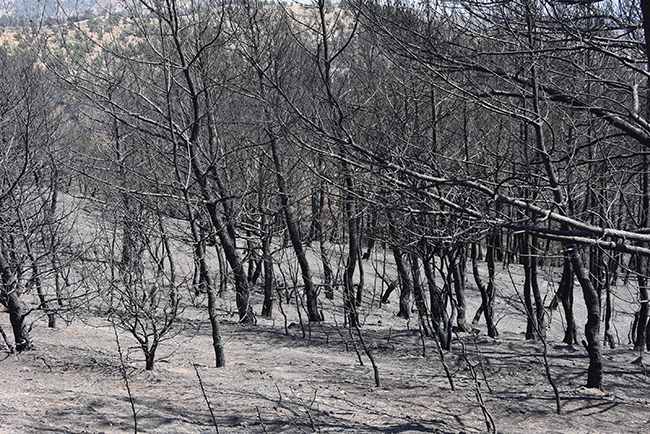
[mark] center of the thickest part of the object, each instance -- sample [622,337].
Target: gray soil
[290,380]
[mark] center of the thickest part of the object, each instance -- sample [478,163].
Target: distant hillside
[11,10]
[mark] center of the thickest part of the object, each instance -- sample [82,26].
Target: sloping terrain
[276,382]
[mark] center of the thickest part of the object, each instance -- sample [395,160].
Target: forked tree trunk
[242,298]
[458,276]
[487,294]
[441,321]
[206,284]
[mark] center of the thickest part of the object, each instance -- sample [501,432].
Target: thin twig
[489,420]
[126,380]
[279,394]
[480,363]
[542,338]
[259,416]
[375,368]
[205,397]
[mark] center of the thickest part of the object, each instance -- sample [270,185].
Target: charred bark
[10,299]
[404,283]
[458,276]
[487,293]
[423,312]
[438,300]
[294,235]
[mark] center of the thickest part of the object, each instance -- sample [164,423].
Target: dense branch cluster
[447,132]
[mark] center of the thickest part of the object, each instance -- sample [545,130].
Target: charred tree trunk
[241,281]
[205,284]
[319,235]
[269,278]
[641,266]
[592,327]
[609,336]
[372,240]
[10,299]
[404,283]
[389,290]
[353,248]
[487,294]
[438,299]
[528,277]
[149,356]
[418,294]
[294,235]
[540,312]
[457,273]
[132,245]
[37,282]
[642,316]
[360,288]
[565,293]
[315,226]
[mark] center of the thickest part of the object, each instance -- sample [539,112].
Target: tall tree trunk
[641,263]
[540,312]
[244,308]
[206,284]
[590,294]
[353,247]
[592,327]
[645,12]
[242,289]
[319,235]
[294,234]
[528,303]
